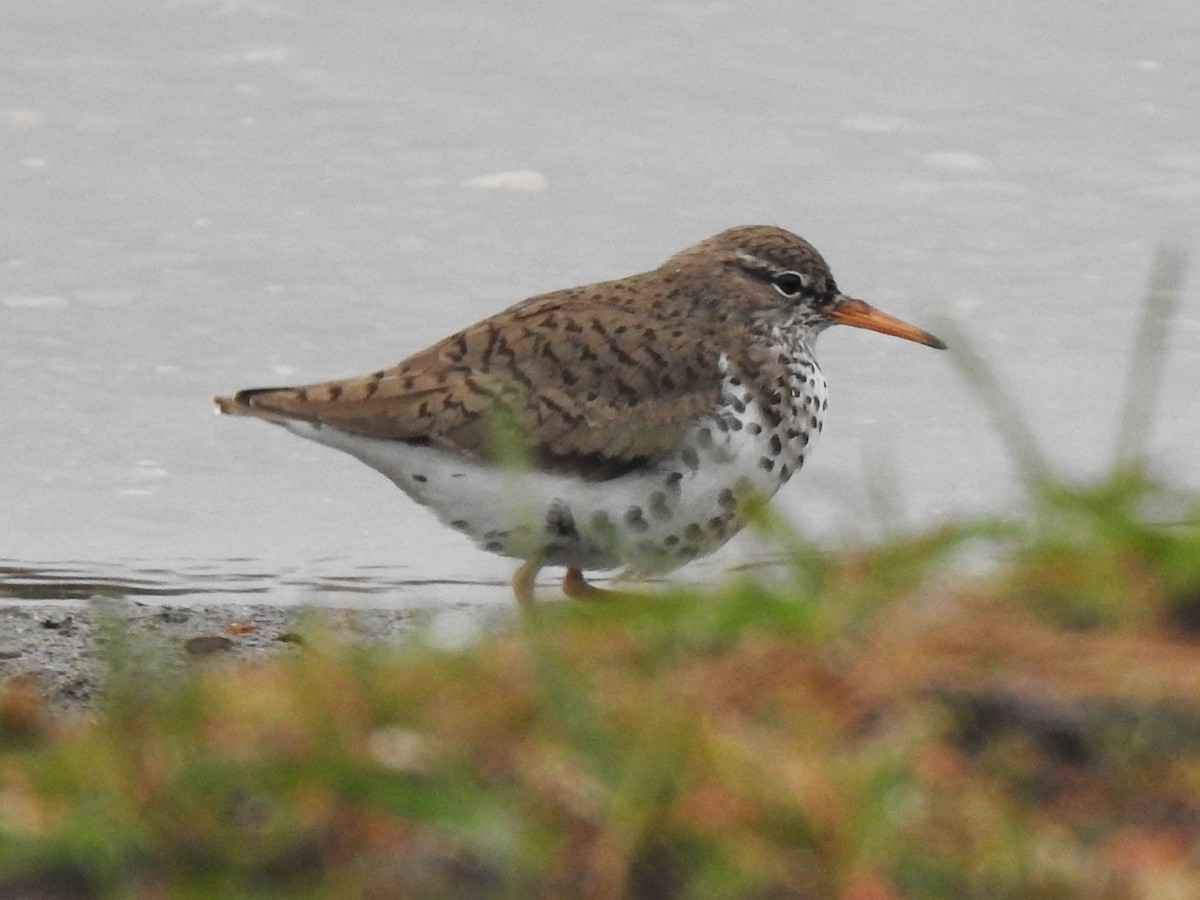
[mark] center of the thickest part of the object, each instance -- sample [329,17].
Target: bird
[628,424]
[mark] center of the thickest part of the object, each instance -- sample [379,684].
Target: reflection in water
[230,579]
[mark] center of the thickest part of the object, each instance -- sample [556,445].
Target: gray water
[203,195]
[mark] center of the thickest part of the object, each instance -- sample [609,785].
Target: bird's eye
[790,284]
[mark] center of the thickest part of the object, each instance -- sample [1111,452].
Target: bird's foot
[574,585]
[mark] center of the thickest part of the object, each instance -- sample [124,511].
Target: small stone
[208,644]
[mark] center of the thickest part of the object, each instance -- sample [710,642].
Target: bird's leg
[576,587]
[524,580]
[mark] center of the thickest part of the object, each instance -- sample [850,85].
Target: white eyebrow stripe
[757,263]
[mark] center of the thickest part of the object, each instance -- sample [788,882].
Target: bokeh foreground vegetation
[887,721]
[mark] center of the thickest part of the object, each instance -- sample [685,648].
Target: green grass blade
[1014,430]
[1145,375]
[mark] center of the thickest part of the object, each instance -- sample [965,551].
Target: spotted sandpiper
[621,424]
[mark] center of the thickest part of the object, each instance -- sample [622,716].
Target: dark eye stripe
[789,283]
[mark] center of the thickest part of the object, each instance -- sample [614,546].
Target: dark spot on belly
[693,532]
[671,483]
[494,547]
[561,523]
[420,479]
[765,462]
[658,506]
[636,519]
[689,458]
[460,524]
[726,499]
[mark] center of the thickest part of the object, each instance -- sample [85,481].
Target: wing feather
[589,377]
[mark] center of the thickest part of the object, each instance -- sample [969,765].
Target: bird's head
[780,278]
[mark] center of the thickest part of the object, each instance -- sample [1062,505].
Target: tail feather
[242,404]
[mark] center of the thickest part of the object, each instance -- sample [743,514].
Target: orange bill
[860,314]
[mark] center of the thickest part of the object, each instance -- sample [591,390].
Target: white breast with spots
[649,520]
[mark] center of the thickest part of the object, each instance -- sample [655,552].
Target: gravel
[65,648]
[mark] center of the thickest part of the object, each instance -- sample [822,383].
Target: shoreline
[62,647]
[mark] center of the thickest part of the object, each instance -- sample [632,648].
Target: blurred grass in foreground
[876,727]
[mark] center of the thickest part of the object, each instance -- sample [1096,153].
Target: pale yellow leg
[524,580]
[576,587]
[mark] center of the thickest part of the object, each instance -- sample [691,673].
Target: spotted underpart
[652,519]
